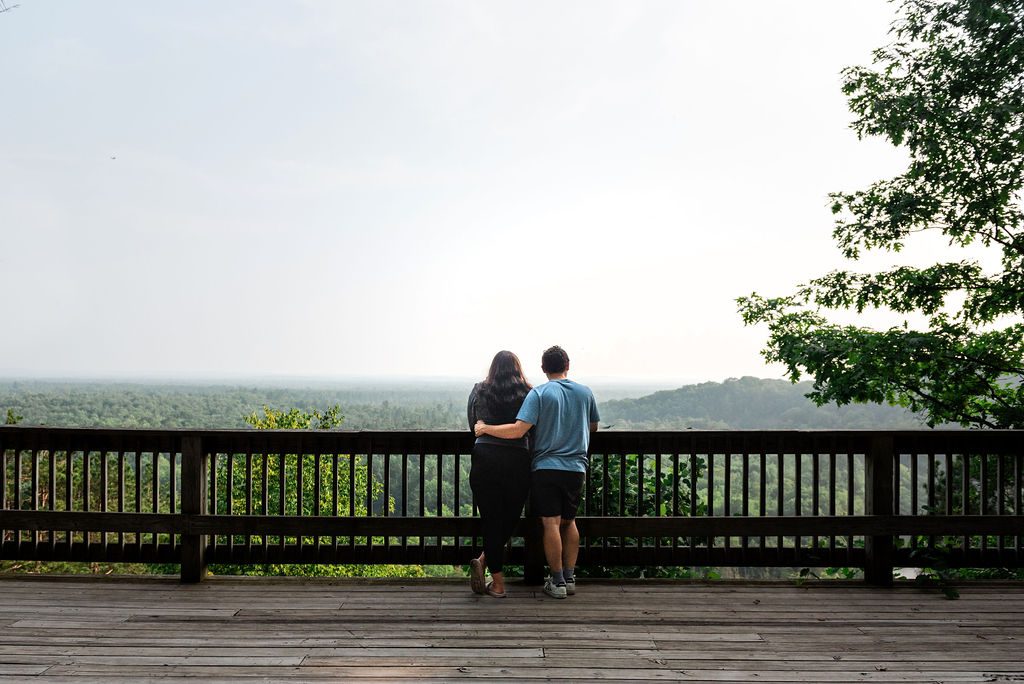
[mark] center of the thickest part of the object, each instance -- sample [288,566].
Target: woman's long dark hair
[505,383]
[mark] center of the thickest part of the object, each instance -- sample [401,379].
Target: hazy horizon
[344,380]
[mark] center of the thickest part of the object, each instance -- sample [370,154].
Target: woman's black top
[480,408]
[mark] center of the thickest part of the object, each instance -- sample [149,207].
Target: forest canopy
[744,403]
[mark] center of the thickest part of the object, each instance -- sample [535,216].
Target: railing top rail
[612,441]
[752,431]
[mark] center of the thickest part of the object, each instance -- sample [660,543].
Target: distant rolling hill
[747,403]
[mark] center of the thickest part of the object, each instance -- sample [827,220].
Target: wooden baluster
[798,500]
[422,489]
[214,499]
[1000,498]
[300,508]
[727,490]
[120,498]
[282,495]
[69,495]
[386,503]
[248,498]
[6,503]
[710,508]
[458,492]
[51,496]
[440,490]
[931,495]
[1018,495]
[621,510]
[3,489]
[316,498]
[405,493]
[369,492]
[229,498]
[172,474]
[965,497]
[675,496]
[86,490]
[832,499]
[352,493]
[19,466]
[948,541]
[3,481]
[639,484]
[745,491]
[588,489]
[334,499]
[138,495]
[34,481]
[780,493]
[984,499]
[457,488]
[762,490]
[156,494]
[639,492]
[264,494]
[815,492]
[605,496]
[850,507]
[693,491]
[914,487]
[104,490]
[658,501]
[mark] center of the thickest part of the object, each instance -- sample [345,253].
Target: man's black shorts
[555,492]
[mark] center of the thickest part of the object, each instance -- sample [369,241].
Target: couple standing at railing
[530,442]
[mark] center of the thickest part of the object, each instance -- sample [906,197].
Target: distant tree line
[132,405]
[744,403]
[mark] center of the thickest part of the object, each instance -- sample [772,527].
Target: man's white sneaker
[570,586]
[553,590]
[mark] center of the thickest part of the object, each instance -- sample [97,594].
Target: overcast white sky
[227,189]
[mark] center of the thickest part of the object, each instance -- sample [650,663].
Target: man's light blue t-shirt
[561,411]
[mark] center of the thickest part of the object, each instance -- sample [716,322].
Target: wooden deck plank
[1006,667]
[450,673]
[245,630]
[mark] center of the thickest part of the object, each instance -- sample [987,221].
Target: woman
[500,475]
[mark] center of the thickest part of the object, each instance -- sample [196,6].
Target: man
[564,414]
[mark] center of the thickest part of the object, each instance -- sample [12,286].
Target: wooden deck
[276,630]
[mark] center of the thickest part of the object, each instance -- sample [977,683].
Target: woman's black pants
[500,478]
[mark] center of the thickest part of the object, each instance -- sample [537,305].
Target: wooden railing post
[878,476]
[193,502]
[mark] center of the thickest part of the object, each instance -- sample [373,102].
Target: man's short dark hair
[554,360]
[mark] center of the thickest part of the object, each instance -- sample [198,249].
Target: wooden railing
[866,499]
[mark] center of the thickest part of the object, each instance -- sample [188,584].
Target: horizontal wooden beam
[95,551]
[839,525]
[733,526]
[82,521]
[448,554]
[359,526]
